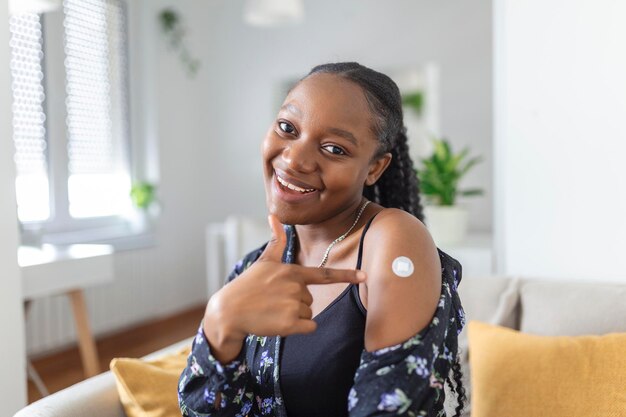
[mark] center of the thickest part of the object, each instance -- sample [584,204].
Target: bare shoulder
[401,232]
[393,217]
[404,278]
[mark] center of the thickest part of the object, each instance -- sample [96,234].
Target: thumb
[276,246]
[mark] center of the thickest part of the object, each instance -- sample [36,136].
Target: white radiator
[228,242]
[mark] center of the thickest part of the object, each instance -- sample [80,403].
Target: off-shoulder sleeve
[408,379]
[207,387]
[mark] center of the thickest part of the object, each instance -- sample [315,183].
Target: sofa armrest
[94,397]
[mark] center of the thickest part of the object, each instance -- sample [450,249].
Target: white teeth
[293,187]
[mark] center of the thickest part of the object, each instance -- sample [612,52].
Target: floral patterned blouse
[406,379]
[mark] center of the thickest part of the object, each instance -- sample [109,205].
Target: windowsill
[143,240]
[121,237]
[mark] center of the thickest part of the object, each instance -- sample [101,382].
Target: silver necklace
[342,237]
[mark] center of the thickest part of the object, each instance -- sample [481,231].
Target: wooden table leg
[86,343]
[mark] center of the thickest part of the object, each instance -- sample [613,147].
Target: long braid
[398,186]
[458,387]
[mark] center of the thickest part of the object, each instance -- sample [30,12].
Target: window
[71,117]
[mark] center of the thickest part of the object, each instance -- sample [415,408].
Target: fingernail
[361,275]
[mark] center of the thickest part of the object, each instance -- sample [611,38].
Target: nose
[300,156]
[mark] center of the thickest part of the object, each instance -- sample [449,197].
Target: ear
[376,168]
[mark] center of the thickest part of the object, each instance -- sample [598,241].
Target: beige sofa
[538,306]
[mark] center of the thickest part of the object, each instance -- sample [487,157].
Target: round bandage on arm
[402,266]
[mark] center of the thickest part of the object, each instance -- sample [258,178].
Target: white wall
[209,129]
[560,137]
[247,65]
[12,357]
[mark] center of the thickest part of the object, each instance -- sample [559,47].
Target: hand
[269,298]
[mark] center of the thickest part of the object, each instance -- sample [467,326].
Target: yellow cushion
[149,388]
[517,374]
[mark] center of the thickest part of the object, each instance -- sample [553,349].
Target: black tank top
[317,369]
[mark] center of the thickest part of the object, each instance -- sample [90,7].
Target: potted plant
[439,178]
[143,196]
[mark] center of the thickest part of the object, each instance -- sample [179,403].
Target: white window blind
[98,181]
[29,131]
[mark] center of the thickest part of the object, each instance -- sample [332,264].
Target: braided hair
[398,186]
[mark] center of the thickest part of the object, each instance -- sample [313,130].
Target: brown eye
[286,127]
[334,149]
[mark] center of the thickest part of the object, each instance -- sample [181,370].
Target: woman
[298,331]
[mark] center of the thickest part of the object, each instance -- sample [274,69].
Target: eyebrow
[344,134]
[335,130]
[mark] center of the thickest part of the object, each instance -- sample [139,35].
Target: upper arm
[399,307]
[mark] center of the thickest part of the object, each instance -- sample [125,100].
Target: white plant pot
[143,220]
[138,220]
[447,224]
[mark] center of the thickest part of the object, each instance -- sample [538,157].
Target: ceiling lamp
[269,13]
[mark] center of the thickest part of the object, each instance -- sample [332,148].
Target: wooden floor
[63,369]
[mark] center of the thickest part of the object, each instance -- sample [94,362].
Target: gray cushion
[492,299]
[570,308]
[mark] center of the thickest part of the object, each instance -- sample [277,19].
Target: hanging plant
[175,31]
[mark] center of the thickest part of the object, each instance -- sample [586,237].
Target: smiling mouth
[292,187]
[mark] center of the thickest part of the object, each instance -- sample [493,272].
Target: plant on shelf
[439,183]
[143,194]
[175,31]
[146,207]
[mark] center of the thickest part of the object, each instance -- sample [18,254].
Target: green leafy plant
[441,173]
[143,194]
[414,100]
[175,31]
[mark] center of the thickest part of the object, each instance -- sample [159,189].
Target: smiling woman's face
[317,153]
